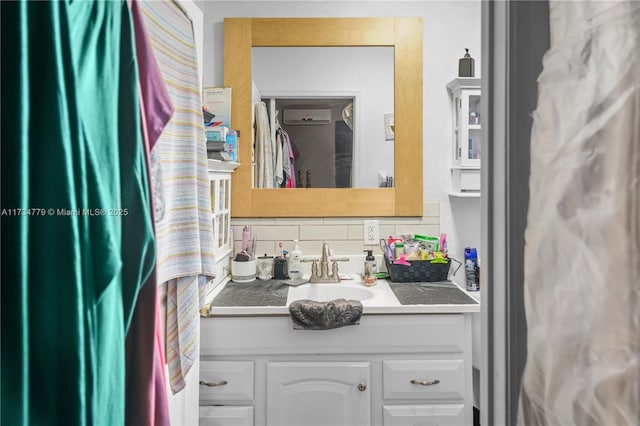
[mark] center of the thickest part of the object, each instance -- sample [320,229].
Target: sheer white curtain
[582,254]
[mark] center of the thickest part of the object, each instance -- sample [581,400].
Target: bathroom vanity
[401,365]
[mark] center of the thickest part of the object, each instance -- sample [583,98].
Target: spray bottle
[471,269]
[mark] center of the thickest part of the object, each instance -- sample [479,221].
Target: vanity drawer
[423,379]
[226,416]
[226,381]
[410,415]
[470,180]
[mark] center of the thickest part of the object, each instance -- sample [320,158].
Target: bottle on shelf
[299,183]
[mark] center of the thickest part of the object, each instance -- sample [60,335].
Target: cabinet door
[470,129]
[318,393]
[220,192]
[226,416]
[424,415]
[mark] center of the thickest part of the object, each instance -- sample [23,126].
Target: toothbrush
[443,242]
[254,241]
[245,238]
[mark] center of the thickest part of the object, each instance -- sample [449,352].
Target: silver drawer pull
[213,385]
[362,387]
[418,382]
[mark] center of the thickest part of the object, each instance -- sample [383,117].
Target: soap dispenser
[371,260]
[370,269]
[466,65]
[295,262]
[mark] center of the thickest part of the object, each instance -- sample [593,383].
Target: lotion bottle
[295,262]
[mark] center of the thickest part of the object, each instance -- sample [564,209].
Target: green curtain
[77,236]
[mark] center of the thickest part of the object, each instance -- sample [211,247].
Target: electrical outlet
[371,232]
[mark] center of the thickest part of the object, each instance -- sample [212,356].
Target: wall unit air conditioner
[306,116]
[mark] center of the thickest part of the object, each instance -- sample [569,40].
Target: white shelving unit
[220,192]
[466,136]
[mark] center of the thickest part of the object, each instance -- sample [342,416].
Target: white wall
[449,27]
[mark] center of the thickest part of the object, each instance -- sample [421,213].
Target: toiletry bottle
[399,247]
[471,269]
[299,181]
[295,262]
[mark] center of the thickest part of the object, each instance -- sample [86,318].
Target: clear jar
[265,267]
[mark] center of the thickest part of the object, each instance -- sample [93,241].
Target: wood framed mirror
[405,36]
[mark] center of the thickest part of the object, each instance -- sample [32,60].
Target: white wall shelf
[220,193]
[467,135]
[465,194]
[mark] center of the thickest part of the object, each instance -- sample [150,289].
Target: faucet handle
[340,259]
[334,270]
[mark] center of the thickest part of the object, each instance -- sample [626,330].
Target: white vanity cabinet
[391,369]
[467,136]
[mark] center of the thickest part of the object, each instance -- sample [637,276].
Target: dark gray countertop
[254,293]
[274,293]
[431,293]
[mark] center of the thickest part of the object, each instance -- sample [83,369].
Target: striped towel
[183,327]
[184,230]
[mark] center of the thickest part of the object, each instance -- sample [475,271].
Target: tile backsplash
[344,235]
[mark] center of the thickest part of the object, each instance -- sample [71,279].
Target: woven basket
[419,271]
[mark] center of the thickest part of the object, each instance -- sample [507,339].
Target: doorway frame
[515,37]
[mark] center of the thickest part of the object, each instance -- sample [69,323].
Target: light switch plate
[371,232]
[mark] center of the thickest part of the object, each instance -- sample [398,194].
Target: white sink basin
[326,292]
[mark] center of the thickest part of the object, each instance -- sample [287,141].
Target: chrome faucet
[322,275]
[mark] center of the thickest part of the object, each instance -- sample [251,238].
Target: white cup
[243,272]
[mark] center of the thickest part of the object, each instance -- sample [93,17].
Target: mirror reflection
[316,136]
[323,117]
